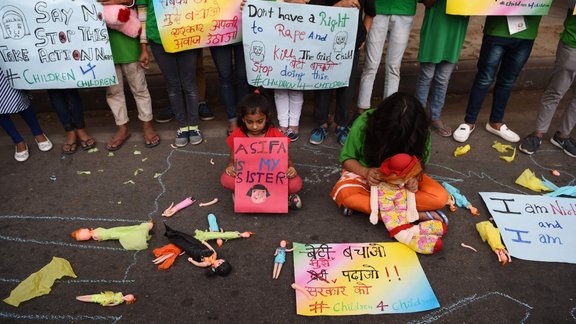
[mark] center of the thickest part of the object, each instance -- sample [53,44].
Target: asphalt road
[44,199]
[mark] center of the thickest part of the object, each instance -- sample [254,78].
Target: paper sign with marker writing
[188,24]
[360,278]
[261,183]
[499,8]
[298,46]
[55,44]
[535,228]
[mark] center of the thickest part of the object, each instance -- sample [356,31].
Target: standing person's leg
[442,74]
[170,70]
[21,152]
[296,99]
[515,56]
[344,102]
[59,101]
[187,62]
[424,82]
[30,118]
[400,27]
[242,86]
[77,112]
[374,47]
[322,101]
[136,78]
[203,111]
[282,101]
[491,53]
[222,56]
[117,102]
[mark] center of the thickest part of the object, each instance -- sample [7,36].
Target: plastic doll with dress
[201,254]
[108,298]
[396,206]
[280,258]
[131,237]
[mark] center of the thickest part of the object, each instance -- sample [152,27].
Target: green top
[131,237]
[125,49]
[568,36]
[442,35]
[107,298]
[151,25]
[498,26]
[208,235]
[353,148]
[396,7]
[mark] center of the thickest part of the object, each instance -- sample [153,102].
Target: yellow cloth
[461,150]
[509,158]
[40,283]
[491,234]
[529,180]
[502,148]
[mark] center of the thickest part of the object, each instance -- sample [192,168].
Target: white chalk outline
[44,317]
[436,315]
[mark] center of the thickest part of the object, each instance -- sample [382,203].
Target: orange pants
[353,191]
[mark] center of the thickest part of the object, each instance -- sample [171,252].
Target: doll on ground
[491,235]
[280,258]
[396,206]
[201,254]
[108,298]
[130,237]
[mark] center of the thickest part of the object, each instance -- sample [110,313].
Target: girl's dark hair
[222,270]
[252,104]
[258,186]
[398,125]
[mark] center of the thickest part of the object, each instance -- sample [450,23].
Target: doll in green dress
[108,298]
[131,237]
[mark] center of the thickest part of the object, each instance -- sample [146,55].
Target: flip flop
[120,142]
[88,144]
[440,213]
[441,129]
[69,149]
[152,143]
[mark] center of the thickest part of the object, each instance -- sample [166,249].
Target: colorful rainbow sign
[360,278]
[499,7]
[188,24]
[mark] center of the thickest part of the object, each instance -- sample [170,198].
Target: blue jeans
[29,117]
[506,56]
[179,70]
[68,107]
[229,61]
[435,76]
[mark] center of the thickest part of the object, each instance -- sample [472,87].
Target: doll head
[221,267]
[82,234]
[283,243]
[400,168]
[129,299]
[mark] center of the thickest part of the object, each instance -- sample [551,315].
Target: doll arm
[276,252]
[208,246]
[374,205]
[203,264]
[181,205]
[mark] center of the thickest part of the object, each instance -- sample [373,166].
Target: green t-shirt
[498,26]
[442,35]
[151,25]
[125,49]
[568,36]
[396,7]
[353,148]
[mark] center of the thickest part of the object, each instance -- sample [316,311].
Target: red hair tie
[257,91]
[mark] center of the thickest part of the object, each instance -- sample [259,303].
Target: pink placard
[261,183]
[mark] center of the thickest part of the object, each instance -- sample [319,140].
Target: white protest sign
[535,228]
[54,44]
[298,46]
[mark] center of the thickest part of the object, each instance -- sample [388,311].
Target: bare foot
[151,138]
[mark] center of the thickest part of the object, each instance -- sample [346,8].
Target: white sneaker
[504,132]
[21,156]
[44,146]
[462,133]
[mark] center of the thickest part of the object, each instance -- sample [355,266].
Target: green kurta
[442,35]
[131,237]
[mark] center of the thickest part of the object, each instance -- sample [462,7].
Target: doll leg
[432,227]
[85,298]
[276,272]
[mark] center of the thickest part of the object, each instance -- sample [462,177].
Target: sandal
[69,148]
[441,129]
[440,214]
[153,142]
[117,143]
[88,144]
